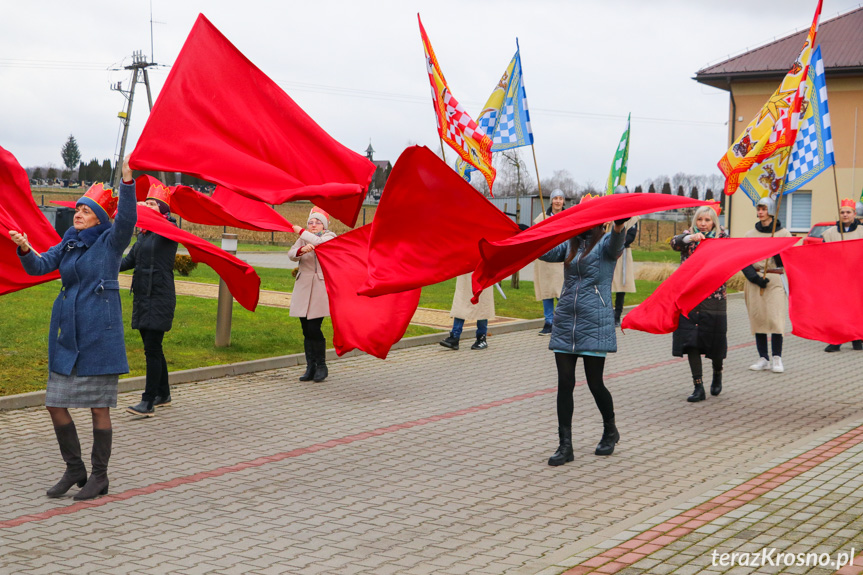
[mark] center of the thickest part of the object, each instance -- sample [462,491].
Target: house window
[799,205]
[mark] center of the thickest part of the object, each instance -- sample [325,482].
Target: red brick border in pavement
[194,478]
[644,544]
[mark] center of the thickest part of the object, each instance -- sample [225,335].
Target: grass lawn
[668,255]
[269,332]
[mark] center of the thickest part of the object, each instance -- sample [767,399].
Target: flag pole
[442,153]
[838,202]
[775,219]
[538,184]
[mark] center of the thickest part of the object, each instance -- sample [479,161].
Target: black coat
[152,257]
[704,330]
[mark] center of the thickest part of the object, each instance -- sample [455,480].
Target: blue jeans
[548,309]
[458,325]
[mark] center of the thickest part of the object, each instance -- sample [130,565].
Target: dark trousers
[312,328]
[775,344]
[695,363]
[593,368]
[157,368]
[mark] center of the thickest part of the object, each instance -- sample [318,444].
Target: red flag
[224,208]
[242,280]
[825,284]
[221,119]
[503,258]
[18,212]
[711,265]
[427,226]
[372,325]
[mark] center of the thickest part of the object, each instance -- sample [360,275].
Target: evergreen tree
[651,189]
[37,174]
[106,173]
[52,173]
[694,193]
[666,188]
[70,153]
[82,171]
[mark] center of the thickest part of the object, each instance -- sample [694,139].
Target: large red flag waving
[222,119]
[428,225]
[370,324]
[825,284]
[503,258]
[224,208]
[711,265]
[18,212]
[242,280]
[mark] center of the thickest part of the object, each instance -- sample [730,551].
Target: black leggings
[695,363]
[312,328]
[156,384]
[775,343]
[593,368]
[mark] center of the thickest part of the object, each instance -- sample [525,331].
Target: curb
[37,398]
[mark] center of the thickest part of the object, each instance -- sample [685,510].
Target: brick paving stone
[470,490]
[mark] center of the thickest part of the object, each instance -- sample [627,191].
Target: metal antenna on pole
[139,64]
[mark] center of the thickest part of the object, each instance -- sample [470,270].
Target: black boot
[698,392]
[564,450]
[716,385]
[480,343]
[833,347]
[321,371]
[70,449]
[97,484]
[610,438]
[451,341]
[857,345]
[310,361]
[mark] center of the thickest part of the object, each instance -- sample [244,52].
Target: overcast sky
[357,68]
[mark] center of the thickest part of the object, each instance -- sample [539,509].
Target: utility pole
[138,66]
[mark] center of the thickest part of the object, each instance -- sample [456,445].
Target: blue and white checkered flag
[812,152]
[512,128]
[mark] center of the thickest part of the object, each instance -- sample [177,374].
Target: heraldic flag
[505,114]
[775,126]
[617,175]
[454,124]
[812,152]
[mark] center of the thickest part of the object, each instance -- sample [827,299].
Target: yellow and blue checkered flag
[505,117]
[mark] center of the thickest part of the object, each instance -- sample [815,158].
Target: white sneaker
[760,365]
[777,365]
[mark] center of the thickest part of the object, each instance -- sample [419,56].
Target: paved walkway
[434,461]
[428,317]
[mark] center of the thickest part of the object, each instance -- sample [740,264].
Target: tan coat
[617,283]
[833,235]
[767,311]
[547,276]
[309,299]
[461,306]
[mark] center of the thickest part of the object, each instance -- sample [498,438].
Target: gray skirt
[81,391]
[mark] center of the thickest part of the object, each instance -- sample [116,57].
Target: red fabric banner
[18,212]
[428,225]
[369,324]
[241,278]
[224,208]
[711,265]
[825,283]
[220,118]
[503,258]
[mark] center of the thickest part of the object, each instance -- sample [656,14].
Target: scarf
[87,237]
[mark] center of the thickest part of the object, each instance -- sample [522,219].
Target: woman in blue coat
[86,350]
[584,327]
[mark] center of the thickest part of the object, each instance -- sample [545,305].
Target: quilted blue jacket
[584,318]
[86,320]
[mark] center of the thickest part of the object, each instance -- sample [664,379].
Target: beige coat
[309,299]
[625,260]
[547,276]
[833,235]
[461,306]
[767,311]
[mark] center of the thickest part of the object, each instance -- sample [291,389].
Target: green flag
[617,175]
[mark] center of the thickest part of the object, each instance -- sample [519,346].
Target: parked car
[814,235]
